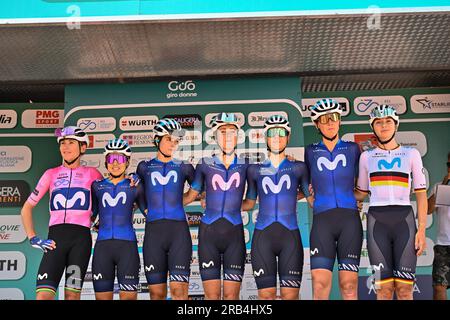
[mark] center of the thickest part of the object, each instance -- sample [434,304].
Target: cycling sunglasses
[120,158]
[69,131]
[448,164]
[330,116]
[277,132]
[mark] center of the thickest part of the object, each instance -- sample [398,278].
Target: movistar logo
[331,165]
[207,265]
[112,202]
[43,276]
[258,273]
[61,202]
[150,268]
[389,165]
[315,251]
[163,180]
[378,267]
[98,276]
[276,188]
[217,180]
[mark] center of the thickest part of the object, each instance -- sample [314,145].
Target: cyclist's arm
[27,219]
[422,207]
[362,184]
[420,187]
[197,185]
[35,196]
[141,200]
[432,201]
[190,196]
[94,207]
[251,195]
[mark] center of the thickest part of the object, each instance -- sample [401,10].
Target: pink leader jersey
[70,194]
[387,175]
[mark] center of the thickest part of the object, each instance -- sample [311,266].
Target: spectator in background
[441,263]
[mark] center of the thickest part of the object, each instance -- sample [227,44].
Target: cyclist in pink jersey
[69,242]
[387,173]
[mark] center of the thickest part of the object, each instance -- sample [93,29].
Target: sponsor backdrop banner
[425,125]
[27,149]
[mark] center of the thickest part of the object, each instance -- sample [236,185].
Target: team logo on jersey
[217,180]
[389,165]
[112,202]
[42,276]
[208,265]
[276,188]
[258,273]
[73,198]
[97,276]
[331,165]
[163,180]
[315,251]
[150,268]
[378,267]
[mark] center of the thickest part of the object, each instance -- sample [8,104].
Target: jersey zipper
[276,196]
[334,182]
[224,192]
[112,213]
[164,192]
[67,195]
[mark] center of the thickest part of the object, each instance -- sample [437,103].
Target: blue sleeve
[303,177]
[189,172]
[94,204]
[251,183]
[199,177]
[307,163]
[140,198]
[357,156]
[140,170]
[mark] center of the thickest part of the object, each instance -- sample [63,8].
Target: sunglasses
[120,158]
[277,132]
[448,164]
[330,116]
[68,131]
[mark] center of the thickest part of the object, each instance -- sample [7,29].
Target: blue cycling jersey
[164,186]
[224,188]
[114,205]
[333,174]
[277,189]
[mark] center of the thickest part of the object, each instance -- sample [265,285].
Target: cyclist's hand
[291,158]
[203,203]
[44,245]
[95,226]
[360,205]
[134,179]
[420,242]
[311,190]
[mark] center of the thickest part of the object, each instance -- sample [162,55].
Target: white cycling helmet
[384,111]
[222,119]
[325,106]
[118,146]
[166,126]
[277,121]
[71,132]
